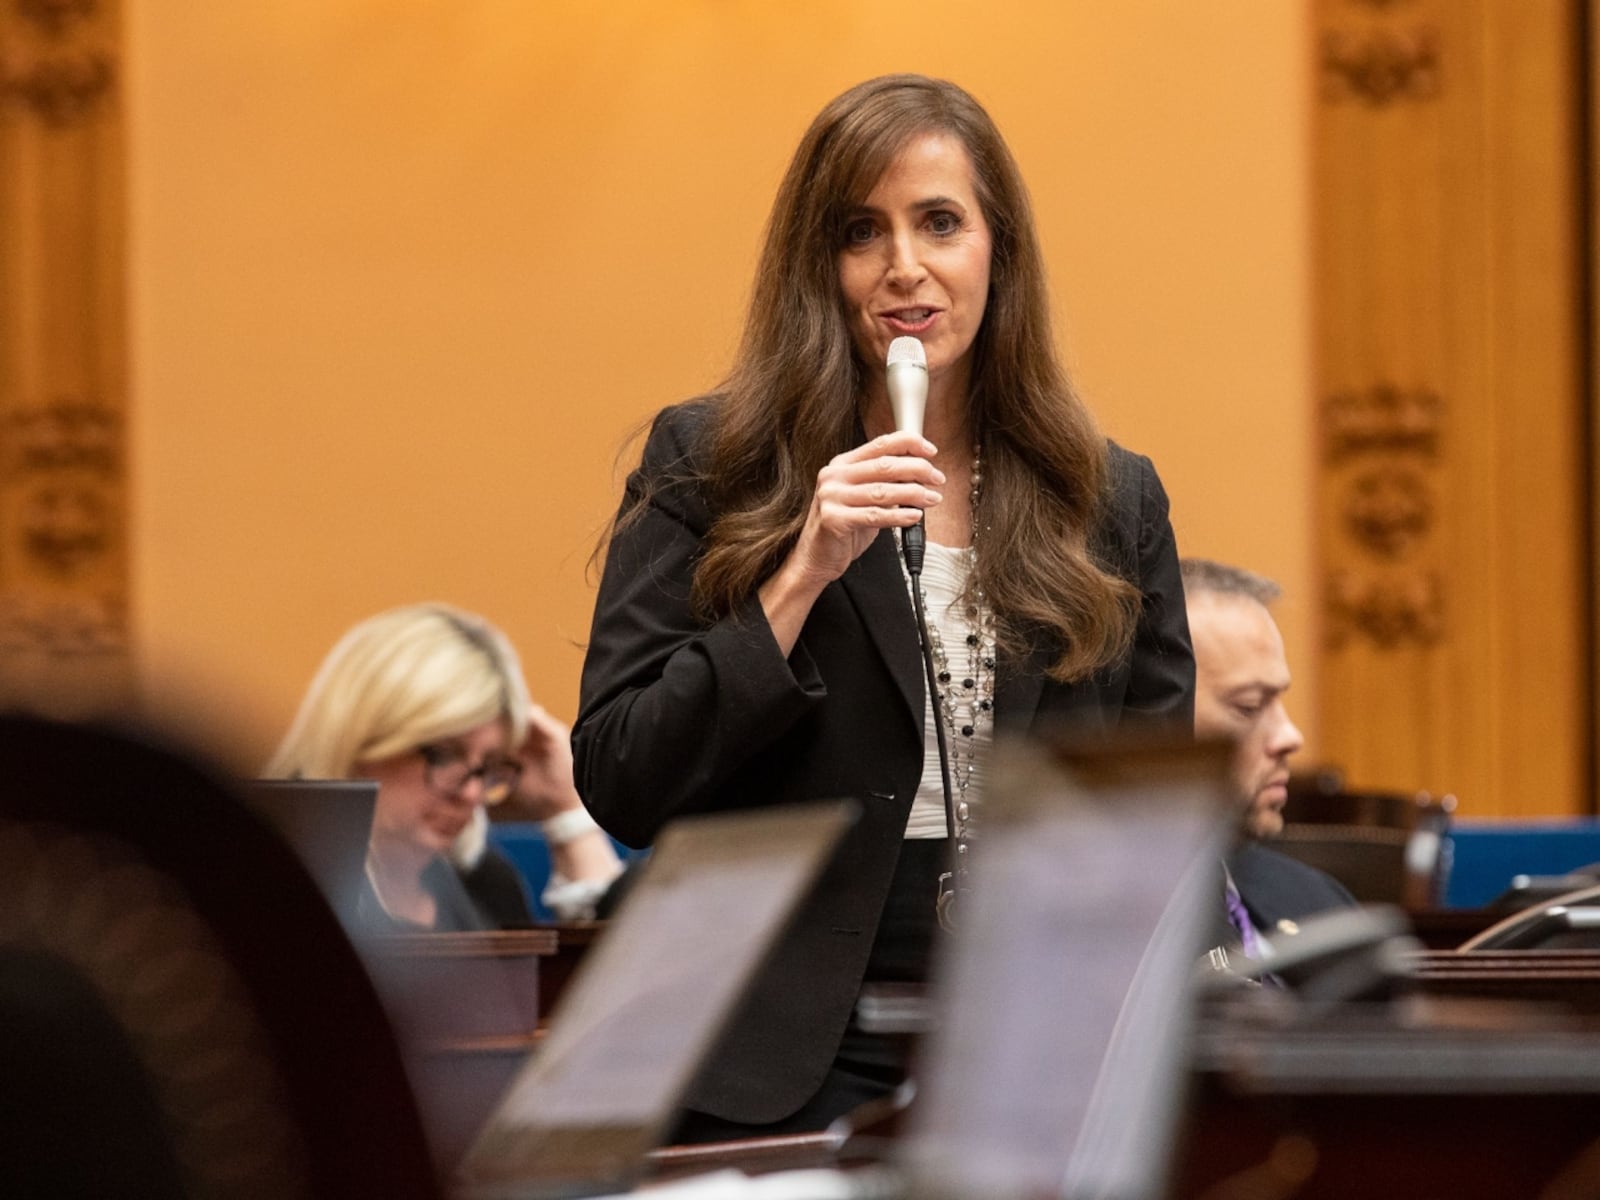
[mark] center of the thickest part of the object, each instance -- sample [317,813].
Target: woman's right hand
[882,484]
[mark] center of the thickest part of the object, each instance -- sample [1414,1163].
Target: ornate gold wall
[63,462]
[1451,374]
[1452,549]
[405,275]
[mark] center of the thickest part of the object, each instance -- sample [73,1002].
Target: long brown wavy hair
[792,400]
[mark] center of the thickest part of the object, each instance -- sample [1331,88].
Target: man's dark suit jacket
[677,716]
[1275,887]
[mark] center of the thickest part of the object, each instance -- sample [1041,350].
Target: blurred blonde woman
[429,701]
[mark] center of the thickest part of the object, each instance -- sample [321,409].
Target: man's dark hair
[1202,576]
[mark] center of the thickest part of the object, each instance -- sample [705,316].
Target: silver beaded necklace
[966,696]
[964,703]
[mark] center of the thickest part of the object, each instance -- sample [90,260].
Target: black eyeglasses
[446,770]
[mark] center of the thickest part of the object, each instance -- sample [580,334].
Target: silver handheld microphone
[908,399]
[908,383]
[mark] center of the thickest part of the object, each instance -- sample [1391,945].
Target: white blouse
[944,577]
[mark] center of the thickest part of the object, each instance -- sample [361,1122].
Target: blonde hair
[400,680]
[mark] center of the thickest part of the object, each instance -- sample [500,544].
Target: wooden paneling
[1591,215]
[63,554]
[1452,527]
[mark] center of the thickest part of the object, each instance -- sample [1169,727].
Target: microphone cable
[913,543]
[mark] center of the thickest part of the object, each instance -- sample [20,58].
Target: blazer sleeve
[670,704]
[1161,683]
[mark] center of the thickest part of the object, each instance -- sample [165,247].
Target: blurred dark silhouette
[181,1013]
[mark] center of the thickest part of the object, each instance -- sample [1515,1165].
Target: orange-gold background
[404,273]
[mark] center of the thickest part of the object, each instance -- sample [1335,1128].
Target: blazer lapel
[878,590]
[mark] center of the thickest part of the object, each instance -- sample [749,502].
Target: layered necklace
[965,677]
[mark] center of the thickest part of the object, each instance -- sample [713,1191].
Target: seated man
[1241,675]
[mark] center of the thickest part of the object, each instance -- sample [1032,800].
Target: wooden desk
[1362,1104]
[1565,979]
[1376,1104]
[466,1008]
[1483,1082]
[1447,928]
[1369,1102]
[779,1152]
[572,941]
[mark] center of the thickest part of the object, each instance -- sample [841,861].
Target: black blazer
[677,716]
[1276,888]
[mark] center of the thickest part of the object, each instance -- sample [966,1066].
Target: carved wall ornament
[1390,611]
[60,90]
[63,434]
[64,636]
[1380,445]
[53,16]
[67,527]
[1388,510]
[1382,418]
[1380,66]
[62,629]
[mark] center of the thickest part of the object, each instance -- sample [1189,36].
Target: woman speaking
[754,638]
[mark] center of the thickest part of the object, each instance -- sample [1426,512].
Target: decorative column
[1452,536]
[64,641]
